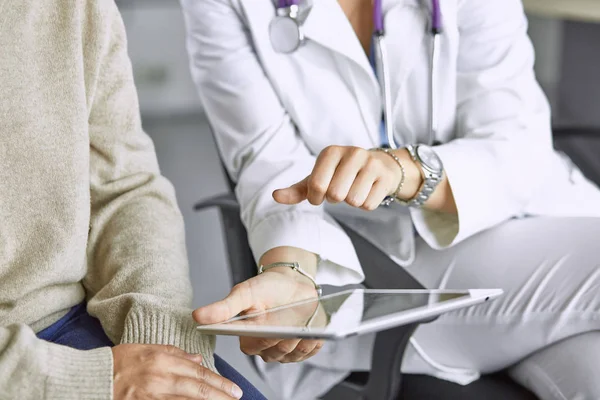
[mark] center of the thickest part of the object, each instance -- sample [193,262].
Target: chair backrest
[582,146]
[241,260]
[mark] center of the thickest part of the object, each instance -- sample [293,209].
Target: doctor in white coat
[479,197]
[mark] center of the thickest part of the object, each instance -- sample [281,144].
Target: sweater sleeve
[138,280]
[33,369]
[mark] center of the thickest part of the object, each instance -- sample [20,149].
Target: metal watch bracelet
[431,179]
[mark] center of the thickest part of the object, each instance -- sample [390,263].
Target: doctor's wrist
[412,179]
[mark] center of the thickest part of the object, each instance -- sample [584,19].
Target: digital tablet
[349,313]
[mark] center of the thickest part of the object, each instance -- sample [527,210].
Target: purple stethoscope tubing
[437,25]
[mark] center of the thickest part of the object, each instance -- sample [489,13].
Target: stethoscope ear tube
[383,76]
[434,113]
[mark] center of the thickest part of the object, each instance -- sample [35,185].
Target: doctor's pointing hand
[364,179]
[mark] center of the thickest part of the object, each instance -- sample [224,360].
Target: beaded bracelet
[390,199]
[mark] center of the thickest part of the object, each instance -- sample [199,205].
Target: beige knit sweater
[84,211]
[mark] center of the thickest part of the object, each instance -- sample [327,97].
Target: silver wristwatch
[432,171]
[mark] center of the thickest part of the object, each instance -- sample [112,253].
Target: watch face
[429,158]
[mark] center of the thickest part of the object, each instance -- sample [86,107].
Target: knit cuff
[176,328]
[78,375]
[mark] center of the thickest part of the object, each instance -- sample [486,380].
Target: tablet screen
[345,310]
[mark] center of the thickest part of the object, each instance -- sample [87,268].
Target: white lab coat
[273,113]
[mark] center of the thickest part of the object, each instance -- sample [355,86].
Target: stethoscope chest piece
[286,30]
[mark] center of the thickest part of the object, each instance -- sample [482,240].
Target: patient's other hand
[166,372]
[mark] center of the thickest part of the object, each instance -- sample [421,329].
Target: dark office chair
[582,145]
[384,382]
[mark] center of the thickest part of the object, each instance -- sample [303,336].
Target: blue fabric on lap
[79,330]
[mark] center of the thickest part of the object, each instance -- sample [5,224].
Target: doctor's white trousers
[545,329]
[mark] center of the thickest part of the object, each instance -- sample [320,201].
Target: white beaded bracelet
[396,196]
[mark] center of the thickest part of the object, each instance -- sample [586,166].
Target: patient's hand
[166,372]
[273,288]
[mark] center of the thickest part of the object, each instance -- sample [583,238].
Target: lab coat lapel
[328,26]
[406,24]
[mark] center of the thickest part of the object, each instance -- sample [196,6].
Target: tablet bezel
[405,317]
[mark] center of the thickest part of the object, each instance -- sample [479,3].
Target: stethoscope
[287,35]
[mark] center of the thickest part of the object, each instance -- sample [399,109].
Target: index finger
[322,174]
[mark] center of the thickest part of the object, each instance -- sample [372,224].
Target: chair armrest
[561,132]
[385,378]
[225,201]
